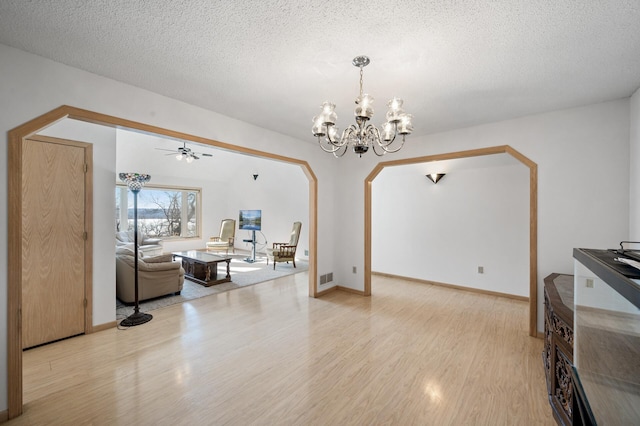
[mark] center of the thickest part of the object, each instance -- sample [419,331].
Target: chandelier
[363,135]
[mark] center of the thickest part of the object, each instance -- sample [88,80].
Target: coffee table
[202,267]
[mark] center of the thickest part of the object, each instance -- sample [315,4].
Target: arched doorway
[14,237]
[533,215]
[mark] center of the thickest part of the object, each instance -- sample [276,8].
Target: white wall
[634,158]
[282,193]
[443,232]
[31,86]
[576,208]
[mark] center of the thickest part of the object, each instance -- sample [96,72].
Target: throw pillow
[162,258]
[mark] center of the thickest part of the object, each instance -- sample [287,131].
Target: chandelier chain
[361,73]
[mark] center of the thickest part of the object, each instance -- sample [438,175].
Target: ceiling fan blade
[185,151]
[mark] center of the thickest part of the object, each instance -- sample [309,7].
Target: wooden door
[53,240]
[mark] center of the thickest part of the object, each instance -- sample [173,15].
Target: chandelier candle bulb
[364,109]
[360,136]
[329,113]
[405,126]
[387,131]
[395,110]
[318,127]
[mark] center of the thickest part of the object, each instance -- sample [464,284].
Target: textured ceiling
[273,62]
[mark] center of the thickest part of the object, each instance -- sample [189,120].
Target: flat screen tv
[250,220]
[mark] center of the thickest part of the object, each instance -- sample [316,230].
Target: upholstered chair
[285,252]
[225,240]
[157,275]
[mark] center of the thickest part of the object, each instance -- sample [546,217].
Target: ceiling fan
[185,152]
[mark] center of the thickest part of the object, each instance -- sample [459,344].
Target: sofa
[147,246]
[157,276]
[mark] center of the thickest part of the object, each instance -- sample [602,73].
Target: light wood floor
[268,354]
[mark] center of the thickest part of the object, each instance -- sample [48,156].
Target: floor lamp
[135,182]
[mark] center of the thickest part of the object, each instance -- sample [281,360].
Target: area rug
[243,274]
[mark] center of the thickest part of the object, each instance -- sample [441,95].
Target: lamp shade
[135,181]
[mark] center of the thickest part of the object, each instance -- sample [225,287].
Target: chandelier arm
[330,150]
[337,143]
[391,151]
[386,145]
[375,151]
[339,154]
[343,139]
[347,135]
[374,133]
[383,143]
[395,133]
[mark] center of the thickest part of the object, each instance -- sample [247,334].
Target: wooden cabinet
[557,355]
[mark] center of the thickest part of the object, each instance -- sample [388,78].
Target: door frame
[14,234]
[533,215]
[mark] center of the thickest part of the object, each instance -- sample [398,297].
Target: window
[164,212]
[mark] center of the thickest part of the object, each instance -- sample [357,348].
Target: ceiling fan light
[179,157]
[189,159]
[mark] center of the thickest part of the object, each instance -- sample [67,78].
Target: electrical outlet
[306,252]
[589,283]
[354,270]
[481,269]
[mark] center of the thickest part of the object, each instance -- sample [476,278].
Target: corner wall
[443,232]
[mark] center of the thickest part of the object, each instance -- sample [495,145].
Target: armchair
[226,239]
[285,252]
[157,276]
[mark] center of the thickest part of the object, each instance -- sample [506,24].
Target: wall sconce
[435,177]
[255,176]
